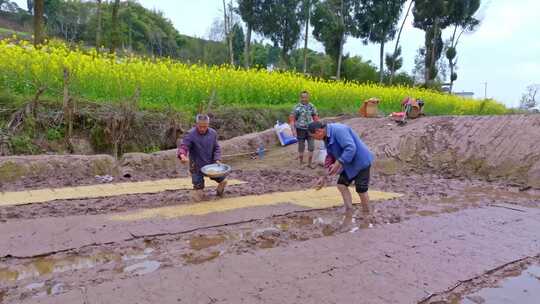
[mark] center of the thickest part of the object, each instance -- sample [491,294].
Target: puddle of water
[145,254]
[8,275]
[302,221]
[522,289]
[365,225]
[44,266]
[190,258]
[203,241]
[35,286]
[426,212]
[266,243]
[450,209]
[472,196]
[328,230]
[55,289]
[283,226]
[142,268]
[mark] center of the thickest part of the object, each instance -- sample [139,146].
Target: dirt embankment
[505,148]
[491,147]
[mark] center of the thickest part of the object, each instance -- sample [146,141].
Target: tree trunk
[39,8]
[306,35]
[115,30]
[231,50]
[284,59]
[381,65]
[451,75]
[393,68]
[340,56]
[451,61]
[68,110]
[30,5]
[98,30]
[433,48]
[247,47]
[228,34]
[341,20]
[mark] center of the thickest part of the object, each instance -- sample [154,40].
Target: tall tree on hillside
[462,19]
[308,7]
[432,16]
[332,23]
[395,61]
[238,42]
[39,9]
[115,30]
[383,16]
[228,22]
[99,32]
[281,22]
[248,11]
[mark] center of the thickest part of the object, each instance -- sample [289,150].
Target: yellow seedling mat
[95,191]
[324,198]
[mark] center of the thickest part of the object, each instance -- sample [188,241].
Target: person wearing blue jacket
[351,159]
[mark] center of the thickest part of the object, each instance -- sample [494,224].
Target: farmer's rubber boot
[221,188]
[197,195]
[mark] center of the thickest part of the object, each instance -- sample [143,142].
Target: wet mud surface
[57,273]
[425,195]
[515,283]
[258,182]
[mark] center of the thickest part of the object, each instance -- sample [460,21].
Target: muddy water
[49,266]
[522,289]
[515,283]
[58,273]
[202,241]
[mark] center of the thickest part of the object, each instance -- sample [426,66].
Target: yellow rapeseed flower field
[167,82]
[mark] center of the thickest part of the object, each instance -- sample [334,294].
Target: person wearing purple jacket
[200,147]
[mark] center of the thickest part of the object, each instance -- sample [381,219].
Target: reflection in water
[52,265]
[143,267]
[522,289]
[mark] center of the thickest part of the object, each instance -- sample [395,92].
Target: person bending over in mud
[301,116]
[348,156]
[200,147]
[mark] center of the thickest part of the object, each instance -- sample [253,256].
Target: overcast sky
[504,51]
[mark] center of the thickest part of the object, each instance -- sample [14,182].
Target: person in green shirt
[301,116]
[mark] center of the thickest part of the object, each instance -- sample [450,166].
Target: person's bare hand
[218,162]
[320,183]
[183,159]
[336,167]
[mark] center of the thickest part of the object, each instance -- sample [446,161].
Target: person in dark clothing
[200,147]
